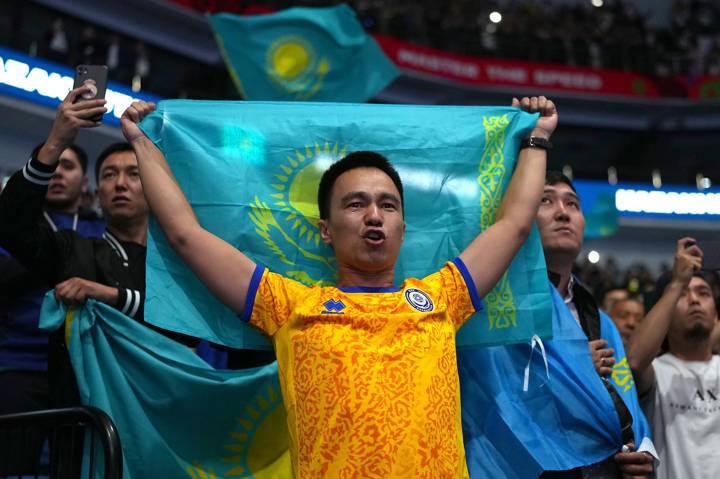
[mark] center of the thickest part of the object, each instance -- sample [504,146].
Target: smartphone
[711,254]
[94,76]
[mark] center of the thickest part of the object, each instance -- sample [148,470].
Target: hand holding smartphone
[95,78]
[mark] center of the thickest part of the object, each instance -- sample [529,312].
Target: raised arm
[71,116]
[647,339]
[222,268]
[490,254]
[21,203]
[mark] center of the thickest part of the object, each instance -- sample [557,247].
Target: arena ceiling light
[593,256]
[495,17]
[597,3]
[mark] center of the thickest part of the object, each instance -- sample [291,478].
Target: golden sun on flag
[258,444]
[292,63]
[289,57]
[287,217]
[297,188]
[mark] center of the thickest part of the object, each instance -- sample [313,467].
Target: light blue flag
[177,417]
[601,214]
[622,380]
[318,54]
[251,172]
[564,420]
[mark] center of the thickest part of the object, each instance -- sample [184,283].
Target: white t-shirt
[684,409]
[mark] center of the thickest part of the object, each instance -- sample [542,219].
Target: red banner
[706,87]
[537,76]
[228,6]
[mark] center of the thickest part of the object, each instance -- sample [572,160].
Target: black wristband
[536,142]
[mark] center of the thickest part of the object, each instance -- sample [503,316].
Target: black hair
[636,299]
[357,159]
[114,148]
[553,177]
[79,152]
[710,277]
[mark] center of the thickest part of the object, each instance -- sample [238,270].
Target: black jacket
[57,256]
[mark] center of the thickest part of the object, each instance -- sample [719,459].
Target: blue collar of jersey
[367,289]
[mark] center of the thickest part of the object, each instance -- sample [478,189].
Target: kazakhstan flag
[177,416]
[528,409]
[318,54]
[251,172]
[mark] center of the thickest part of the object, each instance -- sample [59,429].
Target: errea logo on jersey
[333,307]
[419,300]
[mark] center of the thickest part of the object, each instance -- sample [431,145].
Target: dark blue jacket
[22,344]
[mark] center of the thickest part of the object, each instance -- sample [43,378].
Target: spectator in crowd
[627,314]
[118,60]
[56,44]
[680,389]
[90,50]
[111,269]
[604,280]
[561,224]
[142,66]
[612,296]
[23,346]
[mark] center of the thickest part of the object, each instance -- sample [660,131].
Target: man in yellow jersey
[368,370]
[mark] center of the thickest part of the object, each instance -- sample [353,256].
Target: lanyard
[52,223]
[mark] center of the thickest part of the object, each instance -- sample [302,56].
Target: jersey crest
[419,300]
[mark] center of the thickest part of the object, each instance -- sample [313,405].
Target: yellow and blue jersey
[369,375]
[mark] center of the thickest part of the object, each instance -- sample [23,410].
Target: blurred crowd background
[610,34]
[615,35]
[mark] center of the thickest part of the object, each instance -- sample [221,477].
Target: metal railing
[68,431]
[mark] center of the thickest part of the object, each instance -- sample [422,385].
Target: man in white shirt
[680,390]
